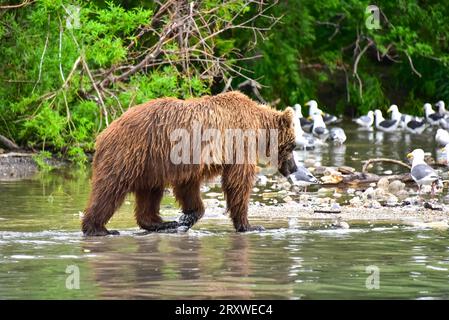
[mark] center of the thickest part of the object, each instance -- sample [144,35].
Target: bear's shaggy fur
[133,156]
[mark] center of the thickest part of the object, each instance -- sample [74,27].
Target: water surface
[40,240]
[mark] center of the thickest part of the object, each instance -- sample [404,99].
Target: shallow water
[41,248]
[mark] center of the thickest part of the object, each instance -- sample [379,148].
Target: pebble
[381,193]
[213,194]
[350,191]
[262,180]
[285,185]
[211,202]
[282,192]
[356,202]
[369,193]
[388,172]
[287,199]
[204,189]
[309,163]
[335,206]
[337,195]
[396,186]
[383,183]
[323,190]
[269,195]
[373,204]
[343,225]
[392,200]
[346,169]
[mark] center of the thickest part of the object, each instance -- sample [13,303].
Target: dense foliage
[68,68]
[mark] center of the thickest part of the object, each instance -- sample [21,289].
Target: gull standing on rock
[421,172]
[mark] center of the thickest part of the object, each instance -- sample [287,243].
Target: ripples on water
[39,238]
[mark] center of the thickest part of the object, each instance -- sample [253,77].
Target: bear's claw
[250,228]
[101,233]
[168,226]
[187,220]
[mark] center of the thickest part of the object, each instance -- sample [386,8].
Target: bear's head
[286,143]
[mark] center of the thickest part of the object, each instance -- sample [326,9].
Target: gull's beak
[309,118]
[322,113]
[409,156]
[389,110]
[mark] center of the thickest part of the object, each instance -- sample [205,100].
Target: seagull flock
[314,130]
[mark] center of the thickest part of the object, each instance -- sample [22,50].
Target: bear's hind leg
[101,207]
[189,197]
[147,211]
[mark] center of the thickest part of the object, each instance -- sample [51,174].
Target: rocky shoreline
[20,165]
[276,198]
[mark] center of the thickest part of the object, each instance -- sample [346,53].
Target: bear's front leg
[237,185]
[189,197]
[147,211]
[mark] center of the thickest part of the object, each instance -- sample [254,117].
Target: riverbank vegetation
[69,68]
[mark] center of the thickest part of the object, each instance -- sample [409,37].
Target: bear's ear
[287,118]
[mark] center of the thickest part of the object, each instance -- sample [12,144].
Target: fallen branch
[16,154]
[370,161]
[8,143]
[366,178]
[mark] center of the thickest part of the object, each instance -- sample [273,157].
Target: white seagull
[431,116]
[305,123]
[441,108]
[446,154]
[442,137]
[385,125]
[415,126]
[319,127]
[337,135]
[327,118]
[301,139]
[421,172]
[365,121]
[402,118]
[303,178]
[444,123]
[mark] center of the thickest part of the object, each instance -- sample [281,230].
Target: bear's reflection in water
[190,266]
[159,266]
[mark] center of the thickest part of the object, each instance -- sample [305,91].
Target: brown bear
[135,155]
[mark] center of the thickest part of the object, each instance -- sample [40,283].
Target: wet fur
[133,156]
